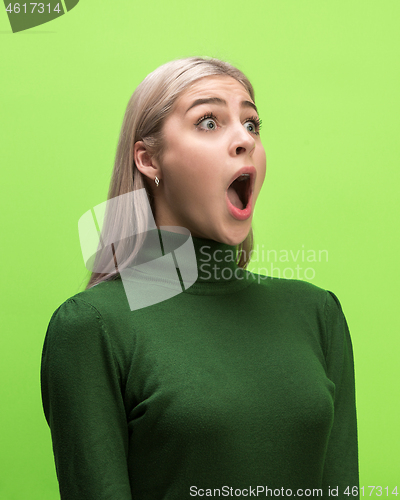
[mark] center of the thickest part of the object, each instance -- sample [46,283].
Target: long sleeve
[341,462]
[83,405]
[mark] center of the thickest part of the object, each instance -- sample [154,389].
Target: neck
[194,265]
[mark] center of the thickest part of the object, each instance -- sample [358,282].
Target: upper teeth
[242,177]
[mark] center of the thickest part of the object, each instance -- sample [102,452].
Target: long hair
[147,109]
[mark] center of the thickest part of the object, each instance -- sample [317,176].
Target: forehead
[222,86]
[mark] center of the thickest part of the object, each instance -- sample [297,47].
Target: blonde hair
[147,109]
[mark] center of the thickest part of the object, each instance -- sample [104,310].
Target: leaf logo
[23,16]
[150,274]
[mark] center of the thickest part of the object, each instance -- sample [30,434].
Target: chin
[235,237]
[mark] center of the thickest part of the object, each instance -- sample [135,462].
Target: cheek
[263,163]
[183,152]
[198,152]
[193,162]
[263,156]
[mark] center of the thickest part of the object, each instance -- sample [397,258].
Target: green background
[326,77]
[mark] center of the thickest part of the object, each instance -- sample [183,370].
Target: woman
[239,385]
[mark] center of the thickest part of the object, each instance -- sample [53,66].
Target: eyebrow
[221,102]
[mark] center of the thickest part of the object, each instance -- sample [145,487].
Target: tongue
[234,198]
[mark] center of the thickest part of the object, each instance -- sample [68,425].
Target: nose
[242,142]
[240,149]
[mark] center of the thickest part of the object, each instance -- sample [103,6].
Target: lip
[246,212]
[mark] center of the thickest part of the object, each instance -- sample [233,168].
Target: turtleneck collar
[218,272]
[201,266]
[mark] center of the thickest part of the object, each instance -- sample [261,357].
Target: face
[206,148]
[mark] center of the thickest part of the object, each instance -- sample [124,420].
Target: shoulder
[88,312]
[94,326]
[299,297]
[292,291]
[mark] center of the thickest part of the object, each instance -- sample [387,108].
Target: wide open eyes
[210,121]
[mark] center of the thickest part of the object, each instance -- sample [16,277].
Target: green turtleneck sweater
[238,386]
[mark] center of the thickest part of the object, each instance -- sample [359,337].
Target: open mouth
[239,191]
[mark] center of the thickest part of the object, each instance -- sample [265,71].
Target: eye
[208,119]
[255,124]
[252,127]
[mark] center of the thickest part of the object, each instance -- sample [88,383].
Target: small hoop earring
[157,181]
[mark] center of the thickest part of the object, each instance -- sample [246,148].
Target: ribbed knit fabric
[240,381]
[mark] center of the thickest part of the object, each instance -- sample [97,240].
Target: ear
[144,162]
